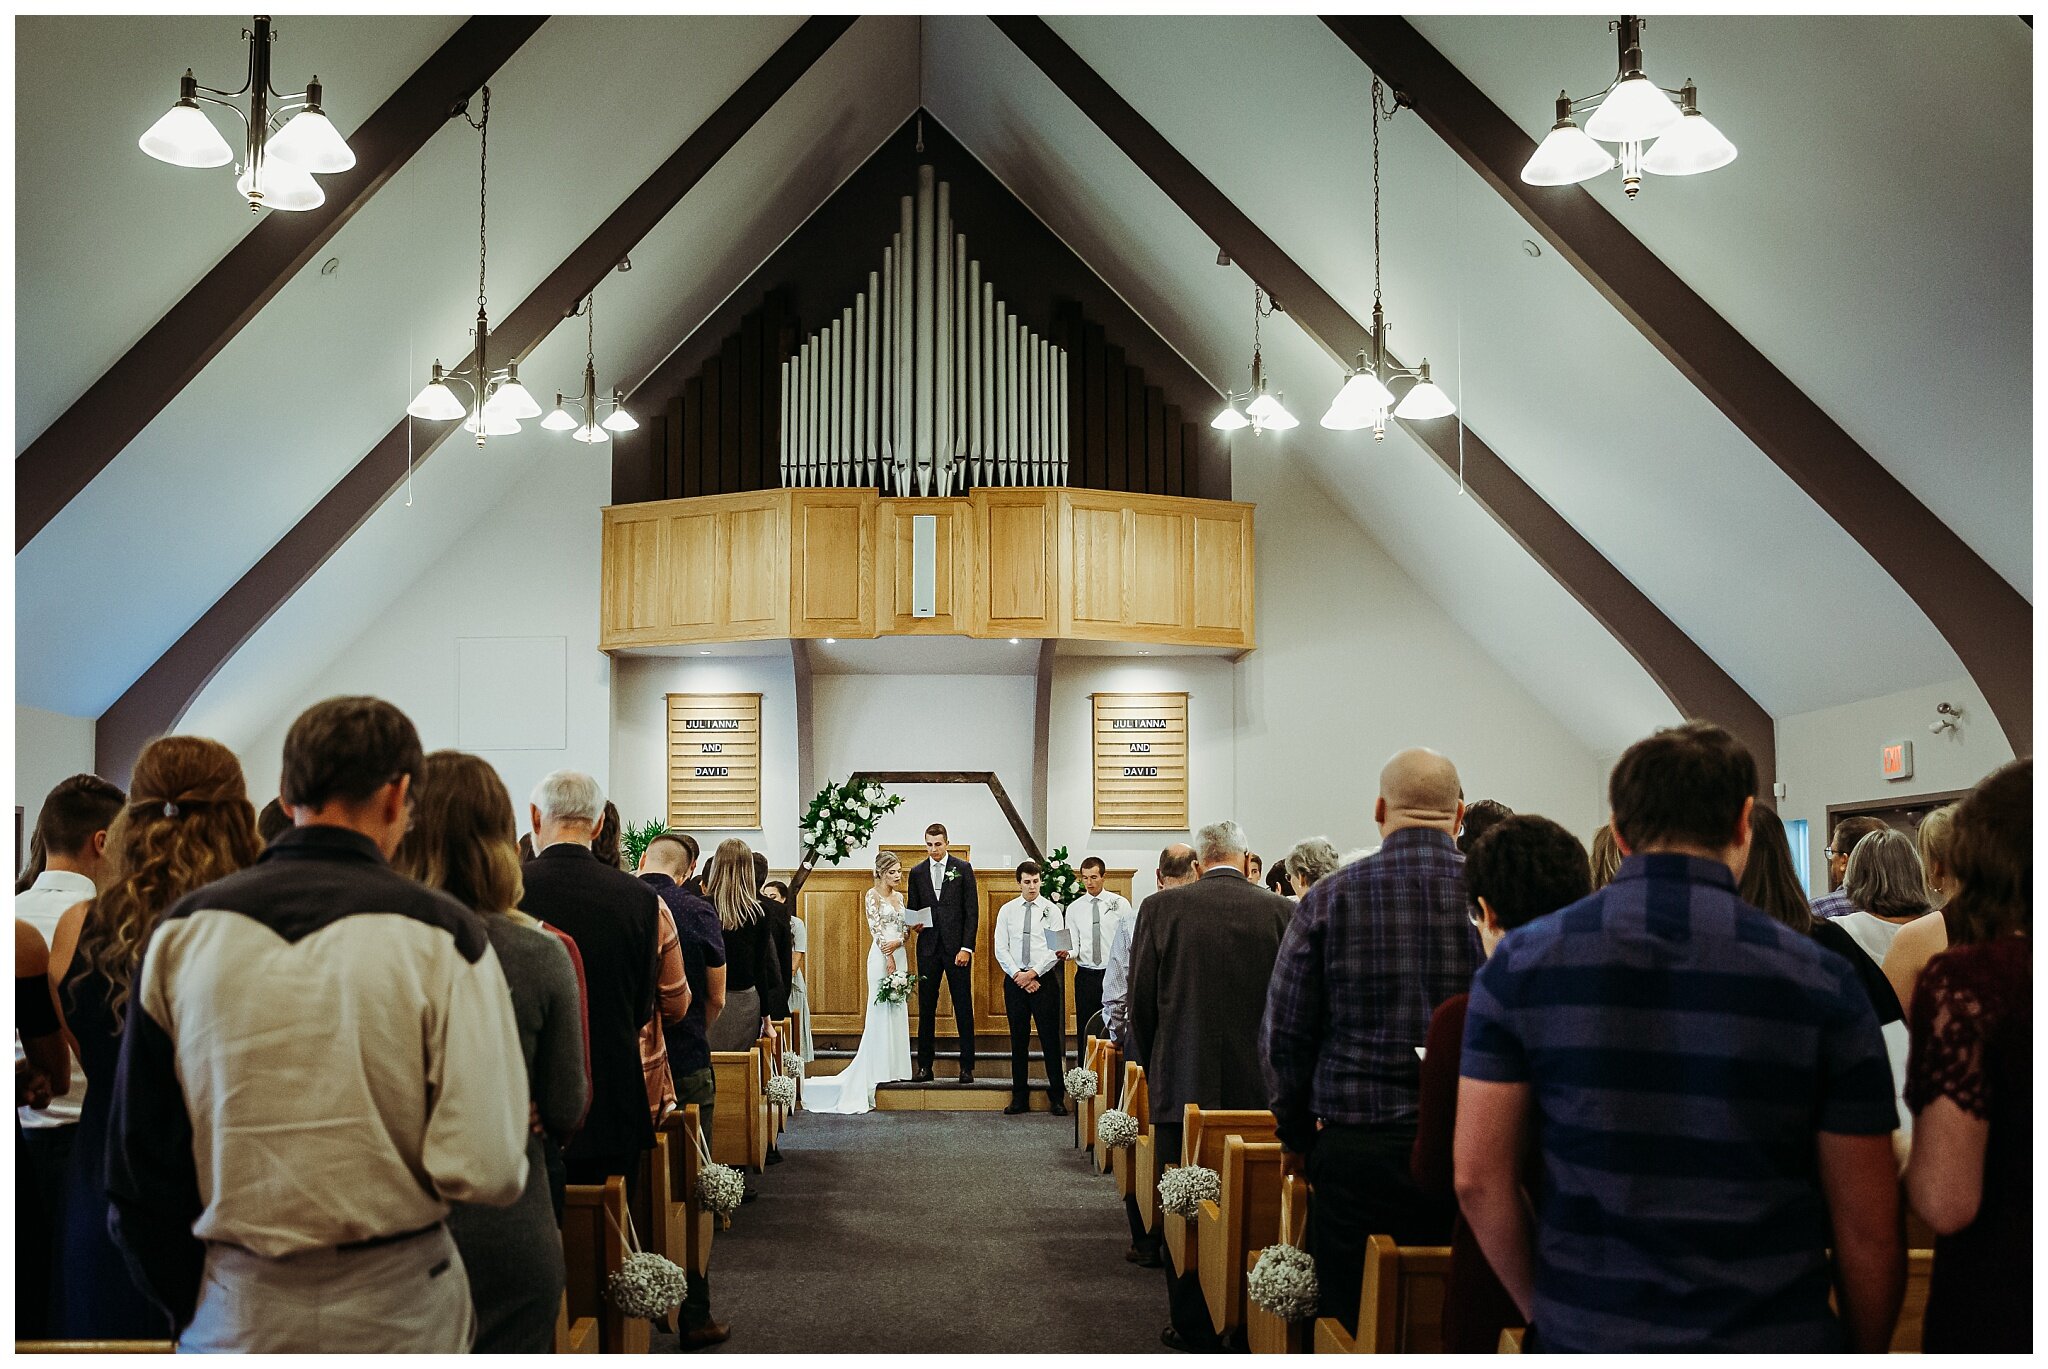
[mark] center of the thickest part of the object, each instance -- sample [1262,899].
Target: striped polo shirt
[1682,1050]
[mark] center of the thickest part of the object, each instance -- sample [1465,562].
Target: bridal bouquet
[896,987]
[842,818]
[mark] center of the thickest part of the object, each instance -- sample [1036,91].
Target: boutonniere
[951,874]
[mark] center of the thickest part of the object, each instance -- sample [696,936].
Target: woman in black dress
[188,822]
[753,972]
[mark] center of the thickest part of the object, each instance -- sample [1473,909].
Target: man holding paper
[1030,942]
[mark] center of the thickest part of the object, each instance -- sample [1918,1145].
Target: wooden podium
[836,964]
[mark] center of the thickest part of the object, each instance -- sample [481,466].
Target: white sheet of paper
[917,917]
[1059,939]
[1419,1053]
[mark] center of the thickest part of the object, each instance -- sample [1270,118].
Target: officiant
[1034,987]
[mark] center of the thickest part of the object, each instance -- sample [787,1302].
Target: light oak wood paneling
[1160,587]
[956,543]
[832,563]
[755,538]
[1018,562]
[1141,762]
[1096,582]
[1222,573]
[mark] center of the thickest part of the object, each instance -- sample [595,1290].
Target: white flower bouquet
[782,1091]
[1284,1282]
[1082,1083]
[1184,1189]
[1116,1129]
[722,1188]
[842,818]
[896,987]
[647,1285]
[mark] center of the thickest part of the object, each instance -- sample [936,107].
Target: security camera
[1946,716]
[1939,726]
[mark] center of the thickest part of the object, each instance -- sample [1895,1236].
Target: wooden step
[983,1095]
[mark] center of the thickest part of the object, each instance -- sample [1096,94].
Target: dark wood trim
[1690,677]
[156,700]
[1041,737]
[987,777]
[1838,811]
[87,436]
[1984,619]
[806,751]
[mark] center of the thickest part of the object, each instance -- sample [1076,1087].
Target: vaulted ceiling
[1879,258]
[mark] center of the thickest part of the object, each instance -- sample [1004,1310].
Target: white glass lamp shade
[559,421]
[1262,408]
[591,432]
[1566,157]
[512,400]
[1634,111]
[186,137]
[1362,396]
[499,424]
[311,142]
[1692,147]
[1425,400]
[284,187]
[436,402]
[1230,419]
[1278,420]
[1340,418]
[621,421]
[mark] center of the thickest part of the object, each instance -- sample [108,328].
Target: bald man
[1373,949]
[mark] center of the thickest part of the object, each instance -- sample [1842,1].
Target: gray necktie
[1095,904]
[1030,922]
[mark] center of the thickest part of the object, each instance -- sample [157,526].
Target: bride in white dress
[884,1053]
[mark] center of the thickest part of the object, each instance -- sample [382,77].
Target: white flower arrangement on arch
[1183,1189]
[841,819]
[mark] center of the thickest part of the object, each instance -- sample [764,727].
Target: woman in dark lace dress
[188,822]
[1969,1081]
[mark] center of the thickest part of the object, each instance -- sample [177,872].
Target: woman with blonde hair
[1606,857]
[188,822]
[884,1054]
[1921,940]
[753,973]
[463,842]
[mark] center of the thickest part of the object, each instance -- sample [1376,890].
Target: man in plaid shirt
[1372,950]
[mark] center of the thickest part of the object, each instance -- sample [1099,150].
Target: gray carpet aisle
[933,1232]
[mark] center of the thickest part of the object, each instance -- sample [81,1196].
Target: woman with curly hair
[187,823]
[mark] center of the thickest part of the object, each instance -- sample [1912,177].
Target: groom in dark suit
[946,886]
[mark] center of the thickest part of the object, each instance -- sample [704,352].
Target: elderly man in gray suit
[1201,957]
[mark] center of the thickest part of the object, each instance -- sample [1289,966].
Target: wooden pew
[1109,1068]
[1400,1303]
[1244,1217]
[739,1124]
[595,1250]
[1203,1134]
[656,1211]
[684,1165]
[1913,1311]
[1138,1175]
[1511,1340]
[1266,1333]
[771,1064]
[574,1338]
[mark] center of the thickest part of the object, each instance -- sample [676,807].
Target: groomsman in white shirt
[1033,988]
[1093,920]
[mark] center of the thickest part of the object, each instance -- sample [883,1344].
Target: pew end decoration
[1061,882]
[792,1065]
[722,1187]
[1116,1129]
[1283,1282]
[1082,1083]
[782,1091]
[647,1286]
[1183,1190]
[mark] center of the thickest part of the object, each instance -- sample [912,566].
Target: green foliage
[1062,884]
[842,818]
[633,839]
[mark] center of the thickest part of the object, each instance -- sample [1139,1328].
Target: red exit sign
[1895,760]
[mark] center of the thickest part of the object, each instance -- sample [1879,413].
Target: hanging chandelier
[501,401]
[283,149]
[560,420]
[1631,111]
[1368,395]
[1262,412]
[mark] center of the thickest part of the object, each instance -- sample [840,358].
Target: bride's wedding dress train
[884,1054]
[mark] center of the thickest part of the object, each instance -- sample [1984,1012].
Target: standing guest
[272,822]
[67,857]
[462,842]
[1278,881]
[1848,832]
[1920,941]
[526,852]
[1033,990]
[689,876]
[1724,1074]
[751,969]
[781,940]
[614,920]
[1480,817]
[1521,868]
[1606,857]
[799,993]
[1255,867]
[605,845]
[1093,921]
[1201,960]
[1970,1083]
[1178,865]
[1309,862]
[672,1004]
[45,1068]
[1770,884]
[1887,888]
[1374,949]
[945,950]
[188,822]
[335,1044]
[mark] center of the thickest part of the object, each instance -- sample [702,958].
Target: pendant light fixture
[1632,111]
[282,150]
[1262,412]
[501,401]
[590,428]
[1368,394]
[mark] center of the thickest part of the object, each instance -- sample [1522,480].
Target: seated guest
[614,920]
[752,971]
[461,842]
[1606,857]
[188,821]
[1034,989]
[1971,1080]
[1309,862]
[1480,816]
[43,1070]
[1920,941]
[1201,960]
[1093,920]
[1374,949]
[1887,888]
[1849,831]
[1726,1072]
[1520,869]
[272,822]
[338,1105]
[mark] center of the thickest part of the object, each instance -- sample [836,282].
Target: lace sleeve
[1951,1021]
[878,913]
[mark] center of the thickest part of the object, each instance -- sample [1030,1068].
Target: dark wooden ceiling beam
[1987,622]
[1694,682]
[157,699]
[87,436]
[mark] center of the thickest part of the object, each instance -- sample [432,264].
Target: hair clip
[170,810]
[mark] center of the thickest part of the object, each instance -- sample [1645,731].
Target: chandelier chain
[1376,193]
[483,202]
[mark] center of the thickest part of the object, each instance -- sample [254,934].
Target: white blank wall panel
[512,693]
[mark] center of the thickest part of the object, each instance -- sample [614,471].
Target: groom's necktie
[1095,905]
